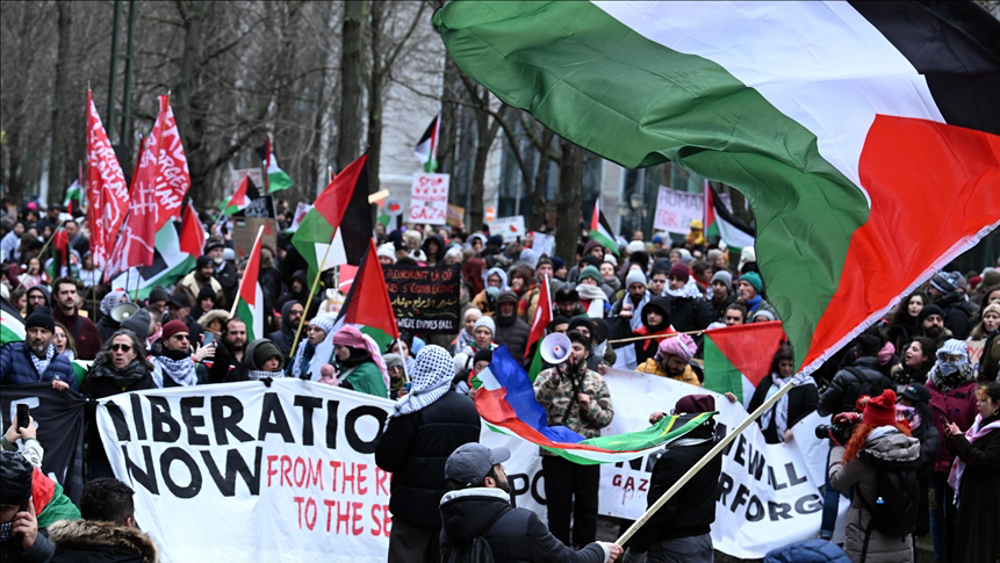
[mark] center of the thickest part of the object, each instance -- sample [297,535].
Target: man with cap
[632,303]
[577,398]
[679,531]
[174,361]
[19,537]
[225,270]
[567,302]
[510,330]
[722,293]
[202,275]
[36,359]
[67,311]
[479,505]
[748,292]
[930,323]
[423,429]
[944,292]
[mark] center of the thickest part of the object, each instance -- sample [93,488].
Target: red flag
[192,239]
[172,177]
[107,192]
[367,303]
[543,315]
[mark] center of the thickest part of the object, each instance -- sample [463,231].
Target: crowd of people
[641,305]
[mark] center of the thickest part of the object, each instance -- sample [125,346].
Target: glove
[633,556]
[846,418]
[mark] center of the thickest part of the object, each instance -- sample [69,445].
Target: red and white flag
[172,177]
[107,192]
[192,237]
[543,315]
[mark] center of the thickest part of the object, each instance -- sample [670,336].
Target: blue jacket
[809,551]
[16,367]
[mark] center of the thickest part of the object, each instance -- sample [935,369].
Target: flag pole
[652,336]
[312,291]
[239,291]
[716,450]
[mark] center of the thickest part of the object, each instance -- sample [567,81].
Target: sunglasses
[122,347]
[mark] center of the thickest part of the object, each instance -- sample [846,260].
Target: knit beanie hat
[138,323]
[558,263]
[686,257]
[945,282]
[610,259]
[725,277]
[635,276]
[694,404]
[202,261]
[881,410]
[172,328]
[325,322]
[753,278]
[41,318]
[483,356]
[680,271]
[635,246]
[929,310]
[393,360]
[592,273]
[16,474]
[991,277]
[264,351]
[388,250]
[487,322]
[681,345]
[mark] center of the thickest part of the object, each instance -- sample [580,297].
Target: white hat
[388,250]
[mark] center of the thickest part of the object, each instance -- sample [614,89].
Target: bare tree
[352,88]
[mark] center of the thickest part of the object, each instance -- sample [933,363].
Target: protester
[107,531]
[30,447]
[107,325]
[510,330]
[20,539]
[120,367]
[479,506]
[679,531]
[631,304]
[672,360]
[173,358]
[931,325]
[424,427]
[735,314]
[230,355]
[578,398]
[465,336]
[359,364]
[36,359]
[38,296]
[916,362]
[67,311]
[914,408]
[291,314]
[655,322]
[943,291]
[749,294]
[905,322]
[722,294]
[688,309]
[316,350]
[567,303]
[225,270]
[397,377]
[262,360]
[776,424]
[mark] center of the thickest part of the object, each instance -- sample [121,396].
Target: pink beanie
[681,345]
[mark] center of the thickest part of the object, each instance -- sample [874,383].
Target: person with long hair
[905,324]
[913,407]
[33,275]
[876,441]
[975,476]
[989,320]
[917,361]
[63,341]
[776,424]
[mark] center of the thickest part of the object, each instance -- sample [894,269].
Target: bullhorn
[123,311]
[555,348]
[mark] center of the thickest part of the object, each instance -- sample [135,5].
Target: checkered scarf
[430,380]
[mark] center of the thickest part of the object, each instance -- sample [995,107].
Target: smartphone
[23,413]
[209,338]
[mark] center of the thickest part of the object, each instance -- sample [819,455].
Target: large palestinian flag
[863,134]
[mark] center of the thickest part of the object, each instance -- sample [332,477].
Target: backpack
[867,385]
[478,550]
[895,508]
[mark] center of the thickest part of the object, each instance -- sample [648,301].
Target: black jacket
[511,331]
[414,449]
[692,510]
[229,278]
[283,338]
[802,400]
[222,364]
[849,384]
[516,536]
[87,541]
[11,551]
[688,313]
[956,316]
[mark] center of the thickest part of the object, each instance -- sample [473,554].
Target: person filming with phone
[19,537]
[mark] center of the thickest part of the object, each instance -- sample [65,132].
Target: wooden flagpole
[312,291]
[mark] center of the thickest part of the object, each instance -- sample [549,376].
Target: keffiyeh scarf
[42,364]
[430,380]
[181,370]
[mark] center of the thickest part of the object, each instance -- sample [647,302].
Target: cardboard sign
[510,228]
[429,199]
[425,300]
[245,234]
[456,216]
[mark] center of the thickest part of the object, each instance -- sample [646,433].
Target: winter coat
[363,378]
[802,400]
[228,277]
[511,331]
[808,551]
[103,380]
[17,368]
[847,386]
[977,519]
[956,318]
[689,313]
[692,510]
[719,307]
[557,393]
[646,349]
[107,326]
[11,551]
[482,302]
[88,541]
[84,331]
[862,475]
[283,338]
[414,448]
[515,536]
[958,406]
[989,362]
[654,367]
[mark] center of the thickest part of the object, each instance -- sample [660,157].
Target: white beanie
[635,246]
[487,322]
[635,276]
[388,250]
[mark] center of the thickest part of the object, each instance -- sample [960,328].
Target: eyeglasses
[122,347]
[182,337]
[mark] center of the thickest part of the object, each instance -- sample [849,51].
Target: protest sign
[248,472]
[245,234]
[59,418]
[510,228]
[425,299]
[543,243]
[675,210]
[429,199]
[456,216]
[975,351]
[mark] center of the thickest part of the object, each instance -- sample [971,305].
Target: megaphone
[555,348]
[123,311]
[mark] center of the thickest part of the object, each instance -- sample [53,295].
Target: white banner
[675,210]
[429,199]
[510,228]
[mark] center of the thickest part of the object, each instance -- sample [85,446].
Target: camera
[841,431]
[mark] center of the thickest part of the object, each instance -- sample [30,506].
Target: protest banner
[675,210]
[59,418]
[510,228]
[429,199]
[425,299]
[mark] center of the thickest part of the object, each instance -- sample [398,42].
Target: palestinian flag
[850,127]
[192,234]
[543,316]
[367,303]
[341,209]
[738,357]
[734,232]
[11,323]
[74,196]
[600,229]
[170,264]
[276,178]
[427,146]
[249,306]
[239,201]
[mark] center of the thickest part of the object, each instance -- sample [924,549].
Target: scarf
[595,298]
[308,357]
[129,375]
[689,291]
[178,365]
[949,375]
[464,340]
[779,412]
[354,338]
[975,432]
[42,364]
[753,304]
[430,380]
[636,322]
[5,530]
[259,374]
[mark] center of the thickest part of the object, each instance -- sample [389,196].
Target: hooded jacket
[242,372]
[646,349]
[301,296]
[438,257]
[283,338]
[516,535]
[88,541]
[511,330]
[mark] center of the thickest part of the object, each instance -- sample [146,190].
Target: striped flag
[275,179]
[846,125]
[506,401]
[600,229]
[170,263]
[249,306]
[543,316]
[427,147]
[11,323]
[734,232]
[367,303]
[241,198]
[737,358]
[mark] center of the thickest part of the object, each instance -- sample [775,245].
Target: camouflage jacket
[556,392]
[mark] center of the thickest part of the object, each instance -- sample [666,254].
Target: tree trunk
[375,88]
[58,157]
[326,115]
[568,217]
[184,100]
[449,117]
[538,201]
[351,83]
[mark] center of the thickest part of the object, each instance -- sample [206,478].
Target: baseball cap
[470,463]
[917,392]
